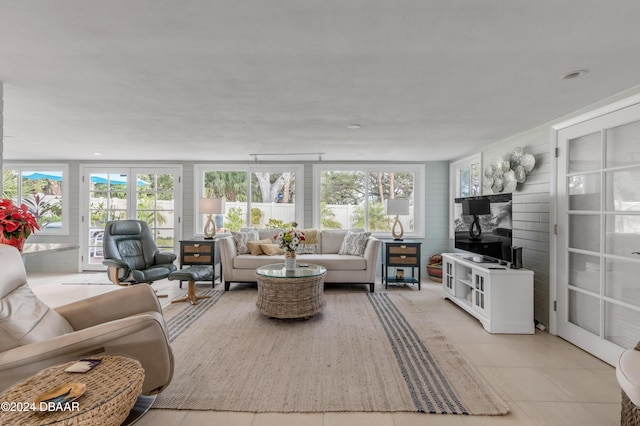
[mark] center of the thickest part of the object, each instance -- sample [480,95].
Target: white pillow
[354,243]
[242,238]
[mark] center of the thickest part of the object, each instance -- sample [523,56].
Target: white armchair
[126,321]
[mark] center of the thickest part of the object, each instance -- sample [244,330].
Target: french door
[151,194]
[598,241]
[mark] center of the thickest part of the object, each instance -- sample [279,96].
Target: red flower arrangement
[16,223]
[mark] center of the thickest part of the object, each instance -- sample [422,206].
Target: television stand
[499,297]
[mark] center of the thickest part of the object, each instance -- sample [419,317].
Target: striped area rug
[365,352]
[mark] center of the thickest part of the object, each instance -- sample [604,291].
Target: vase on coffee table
[289,260]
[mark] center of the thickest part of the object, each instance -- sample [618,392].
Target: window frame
[46,167]
[200,169]
[418,171]
[454,183]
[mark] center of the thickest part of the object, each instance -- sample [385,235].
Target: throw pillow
[310,245]
[271,249]
[242,238]
[254,246]
[354,243]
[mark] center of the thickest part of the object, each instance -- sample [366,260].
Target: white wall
[532,200]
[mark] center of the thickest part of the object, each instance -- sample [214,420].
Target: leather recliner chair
[33,336]
[131,254]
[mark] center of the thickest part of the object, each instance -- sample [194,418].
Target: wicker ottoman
[290,294]
[112,389]
[628,375]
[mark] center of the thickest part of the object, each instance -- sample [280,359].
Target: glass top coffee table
[290,294]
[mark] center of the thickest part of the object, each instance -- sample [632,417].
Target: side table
[113,387]
[201,251]
[399,254]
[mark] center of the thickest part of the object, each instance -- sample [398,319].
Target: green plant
[234,219]
[377,220]
[327,218]
[256,216]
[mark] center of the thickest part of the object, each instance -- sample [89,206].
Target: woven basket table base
[113,387]
[291,297]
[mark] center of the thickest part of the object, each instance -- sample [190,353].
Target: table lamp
[210,206]
[396,207]
[475,208]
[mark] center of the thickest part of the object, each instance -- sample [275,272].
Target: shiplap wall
[531,204]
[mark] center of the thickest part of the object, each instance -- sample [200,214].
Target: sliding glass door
[151,194]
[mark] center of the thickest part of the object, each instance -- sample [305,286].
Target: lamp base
[209,228]
[397,234]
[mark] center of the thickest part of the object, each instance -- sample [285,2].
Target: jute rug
[364,352]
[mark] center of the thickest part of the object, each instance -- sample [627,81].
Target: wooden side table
[401,254]
[201,251]
[113,387]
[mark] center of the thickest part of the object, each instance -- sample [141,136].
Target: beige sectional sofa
[341,268]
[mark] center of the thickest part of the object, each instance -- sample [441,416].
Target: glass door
[599,234]
[116,193]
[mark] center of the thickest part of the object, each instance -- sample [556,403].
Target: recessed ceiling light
[354,126]
[575,74]
[97,153]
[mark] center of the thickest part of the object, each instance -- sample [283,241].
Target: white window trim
[49,167]
[454,168]
[418,190]
[199,169]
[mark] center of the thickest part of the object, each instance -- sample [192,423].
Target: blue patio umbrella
[114,178]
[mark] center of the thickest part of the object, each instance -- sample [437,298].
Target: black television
[483,225]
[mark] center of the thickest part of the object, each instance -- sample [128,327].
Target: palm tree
[378,221]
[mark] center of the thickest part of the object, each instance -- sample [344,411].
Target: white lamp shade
[211,206]
[396,206]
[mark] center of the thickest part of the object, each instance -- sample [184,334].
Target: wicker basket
[630,414]
[112,390]
[434,268]
[290,297]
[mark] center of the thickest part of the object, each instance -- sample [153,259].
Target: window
[42,188]
[257,196]
[353,196]
[465,181]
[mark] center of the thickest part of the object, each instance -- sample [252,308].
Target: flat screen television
[491,236]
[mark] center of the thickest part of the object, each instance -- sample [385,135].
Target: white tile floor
[544,379]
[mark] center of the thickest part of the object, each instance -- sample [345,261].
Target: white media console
[499,297]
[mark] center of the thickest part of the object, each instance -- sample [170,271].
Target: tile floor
[543,379]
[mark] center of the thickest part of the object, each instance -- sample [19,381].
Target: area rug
[365,352]
[89,279]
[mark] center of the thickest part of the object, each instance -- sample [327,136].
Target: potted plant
[16,224]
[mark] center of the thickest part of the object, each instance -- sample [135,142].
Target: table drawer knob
[403,246]
[196,255]
[196,245]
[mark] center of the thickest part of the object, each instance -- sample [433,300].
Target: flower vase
[289,260]
[16,242]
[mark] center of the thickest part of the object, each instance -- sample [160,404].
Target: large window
[255,196]
[43,189]
[353,196]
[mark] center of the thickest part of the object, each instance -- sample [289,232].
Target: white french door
[151,194]
[598,241]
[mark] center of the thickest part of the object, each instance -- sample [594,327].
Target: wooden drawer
[403,249]
[196,258]
[196,248]
[403,260]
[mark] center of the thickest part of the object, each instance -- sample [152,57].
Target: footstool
[192,274]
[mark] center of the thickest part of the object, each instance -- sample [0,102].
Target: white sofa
[341,268]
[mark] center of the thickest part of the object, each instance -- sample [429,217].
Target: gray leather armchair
[33,336]
[131,254]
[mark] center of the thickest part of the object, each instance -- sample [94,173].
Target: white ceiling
[212,80]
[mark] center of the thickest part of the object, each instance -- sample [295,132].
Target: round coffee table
[112,388]
[290,294]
